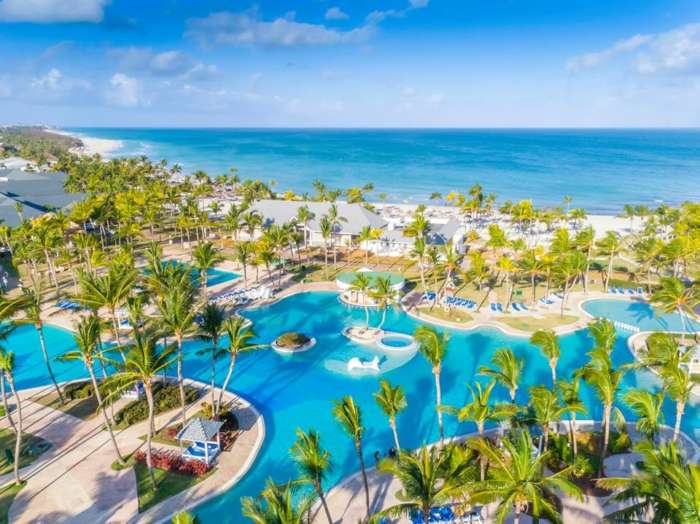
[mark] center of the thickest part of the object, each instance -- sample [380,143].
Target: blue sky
[451,63]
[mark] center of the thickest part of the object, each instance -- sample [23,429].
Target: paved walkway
[74,481]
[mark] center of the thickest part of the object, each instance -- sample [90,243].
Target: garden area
[32,448]
[80,400]
[228,432]
[165,396]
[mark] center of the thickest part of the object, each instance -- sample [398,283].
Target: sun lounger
[516,307]
[523,306]
[640,290]
[612,290]
[630,291]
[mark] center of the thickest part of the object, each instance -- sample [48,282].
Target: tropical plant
[674,296]
[384,295]
[278,504]
[314,463]
[7,372]
[239,341]
[392,401]
[360,285]
[506,370]
[432,344]
[348,414]
[205,257]
[211,327]
[569,395]
[547,341]
[647,407]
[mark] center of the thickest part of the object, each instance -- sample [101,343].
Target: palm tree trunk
[610,267]
[358,448]
[5,404]
[102,409]
[229,373]
[606,436]
[149,433]
[534,288]
[18,432]
[322,498]
[180,382]
[553,367]
[572,426]
[680,409]
[392,424]
[438,404]
[213,381]
[42,343]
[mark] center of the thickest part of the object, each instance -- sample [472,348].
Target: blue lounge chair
[612,290]
[493,307]
[640,290]
[630,291]
[515,306]
[499,307]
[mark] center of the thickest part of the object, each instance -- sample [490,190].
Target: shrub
[619,443]
[174,462]
[165,398]
[292,340]
[78,390]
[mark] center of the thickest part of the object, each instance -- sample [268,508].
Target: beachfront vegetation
[107,256]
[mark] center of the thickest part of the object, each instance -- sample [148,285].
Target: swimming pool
[638,313]
[214,276]
[298,390]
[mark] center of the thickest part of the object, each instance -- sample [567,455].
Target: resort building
[38,193]
[353,218]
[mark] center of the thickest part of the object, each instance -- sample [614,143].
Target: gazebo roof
[200,430]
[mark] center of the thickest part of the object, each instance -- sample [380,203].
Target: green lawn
[456,315]
[7,495]
[168,484]
[32,448]
[83,408]
[528,323]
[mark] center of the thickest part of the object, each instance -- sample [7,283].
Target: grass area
[32,448]
[167,485]
[83,408]
[456,315]
[7,495]
[529,323]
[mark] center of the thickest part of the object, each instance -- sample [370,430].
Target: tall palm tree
[144,361]
[568,391]
[205,257]
[506,370]
[314,462]
[87,342]
[679,385]
[348,414]
[392,401]
[7,370]
[569,268]
[420,252]
[428,477]
[326,227]
[384,295]
[547,341]
[360,285]
[547,409]
[647,407]
[368,233]
[517,479]
[609,246]
[30,303]
[239,342]
[666,486]
[603,333]
[211,328]
[432,344]
[674,296]
[278,504]
[243,253]
[176,310]
[336,219]
[304,216]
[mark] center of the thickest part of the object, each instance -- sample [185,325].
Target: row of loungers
[68,305]
[446,515]
[242,296]
[628,291]
[470,304]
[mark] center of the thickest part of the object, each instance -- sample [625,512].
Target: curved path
[74,481]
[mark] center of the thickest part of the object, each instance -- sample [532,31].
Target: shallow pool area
[298,390]
[638,313]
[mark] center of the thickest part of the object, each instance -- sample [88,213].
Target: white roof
[200,430]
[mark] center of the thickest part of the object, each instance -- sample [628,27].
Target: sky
[350,63]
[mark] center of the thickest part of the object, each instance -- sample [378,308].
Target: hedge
[165,398]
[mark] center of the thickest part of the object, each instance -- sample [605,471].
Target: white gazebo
[204,437]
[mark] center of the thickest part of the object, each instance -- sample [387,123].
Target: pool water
[299,390]
[638,313]
[214,276]
[396,342]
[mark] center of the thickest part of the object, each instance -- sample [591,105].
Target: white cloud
[55,81]
[125,91]
[417,4]
[248,29]
[52,11]
[170,62]
[375,17]
[674,51]
[173,63]
[336,13]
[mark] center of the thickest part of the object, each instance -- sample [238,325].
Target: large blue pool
[638,313]
[297,391]
[214,276]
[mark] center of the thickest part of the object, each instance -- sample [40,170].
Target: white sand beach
[102,146]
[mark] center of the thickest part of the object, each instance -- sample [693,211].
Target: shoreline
[91,145]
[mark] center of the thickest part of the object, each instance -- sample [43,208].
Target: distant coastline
[91,145]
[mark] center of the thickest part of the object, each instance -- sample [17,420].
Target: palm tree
[547,341]
[609,246]
[517,479]
[144,361]
[30,302]
[205,257]
[314,462]
[679,385]
[304,216]
[243,253]
[647,407]
[239,341]
[278,504]
[666,486]
[326,228]
[211,329]
[604,334]
[674,296]
[360,285]
[570,397]
[547,409]
[7,370]
[569,268]
[433,346]
[176,310]
[87,342]
[383,294]
[428,477]
[335,220]
[392,401]
[348,414]
[368,233]
[530,264]
[420,252]
[506,371]
[184,517]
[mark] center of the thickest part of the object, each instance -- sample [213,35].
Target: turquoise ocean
[601,169]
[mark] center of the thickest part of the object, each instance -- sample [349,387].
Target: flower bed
[228,433]
[174,462]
